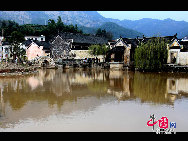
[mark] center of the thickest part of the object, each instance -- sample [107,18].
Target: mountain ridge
[93,19]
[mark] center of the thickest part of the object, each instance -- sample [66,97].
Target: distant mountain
[86,18]
[147,26]
[113,28]
[151,27]
[118,30]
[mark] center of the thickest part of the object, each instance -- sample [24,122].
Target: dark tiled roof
[46,45]
[80,38]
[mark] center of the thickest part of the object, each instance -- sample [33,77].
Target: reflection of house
[172,86]
[177,86]
[120,85]
[34,82]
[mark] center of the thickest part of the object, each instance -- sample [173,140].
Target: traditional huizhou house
[178,52]
[123,49]
[60,48]
[35,49]
[76,44]
[36,38]
[6,54]
[184,43]
[121,52]
[173,52]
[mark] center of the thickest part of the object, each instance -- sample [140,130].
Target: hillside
[113,28]
[152,27]
[147,26]
[118,31]
[86,18]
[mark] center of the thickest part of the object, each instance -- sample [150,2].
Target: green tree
[27,29]
[99,32]
[152,55]
[8,27]
[98,50]
[104,33]
[15,41]
[51,28]
[60,24]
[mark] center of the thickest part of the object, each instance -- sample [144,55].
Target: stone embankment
[15,69]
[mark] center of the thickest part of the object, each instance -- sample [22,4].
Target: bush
[152,55]
[98,50]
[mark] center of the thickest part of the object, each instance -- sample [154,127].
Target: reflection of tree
[150,87]
[14,93]
[98,86]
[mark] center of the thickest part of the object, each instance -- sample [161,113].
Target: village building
[178,52]
[35,49]
[60,48]
[38,38]
[5,48]
[35,46]
[75,45]
[122,50]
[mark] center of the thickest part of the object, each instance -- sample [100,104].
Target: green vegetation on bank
[151,56]
[98,50]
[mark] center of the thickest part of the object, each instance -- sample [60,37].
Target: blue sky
[136,15]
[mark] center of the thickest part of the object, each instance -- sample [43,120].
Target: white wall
[183,58]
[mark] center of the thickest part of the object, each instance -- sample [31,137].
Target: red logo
[163,122]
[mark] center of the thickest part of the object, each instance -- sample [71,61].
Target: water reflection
[67,91]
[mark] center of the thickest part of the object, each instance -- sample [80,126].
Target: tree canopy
[152,55]
[98,50]
[15,40]
[50,30]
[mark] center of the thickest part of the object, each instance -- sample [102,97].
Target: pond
[92,100]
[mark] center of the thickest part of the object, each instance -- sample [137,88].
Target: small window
[41,39]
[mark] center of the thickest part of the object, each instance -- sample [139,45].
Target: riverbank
[11,69]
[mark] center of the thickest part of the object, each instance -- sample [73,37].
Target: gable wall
[33,51]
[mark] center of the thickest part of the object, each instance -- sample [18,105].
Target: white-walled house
[38,38]
[28,45]
[33,51]
[178,52]
[5,50]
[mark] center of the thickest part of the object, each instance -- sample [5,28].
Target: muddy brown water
[90,100]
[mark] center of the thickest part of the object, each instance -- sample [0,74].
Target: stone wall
[116,65]
[82,54]
[183,58]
